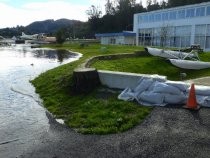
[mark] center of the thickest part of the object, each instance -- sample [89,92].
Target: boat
[178,58]
[189,64]
[169,54]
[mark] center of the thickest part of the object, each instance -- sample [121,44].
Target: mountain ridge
[48,26]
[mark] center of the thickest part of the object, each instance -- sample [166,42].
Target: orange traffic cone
[191,101]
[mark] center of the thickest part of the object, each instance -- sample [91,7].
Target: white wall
[105,40]
[129,40]
[122,80]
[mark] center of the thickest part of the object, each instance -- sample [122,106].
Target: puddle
[20,110]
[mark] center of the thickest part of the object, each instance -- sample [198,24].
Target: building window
[145,18]
[140,19]
[158,17]
[164,16]
[183,30]
[172,15]
[200,11]
[112,41]
[208,37]
[190,13]
[208,10]
[208,30]
[151,18]
[181,14]
[200,33]
[200,30]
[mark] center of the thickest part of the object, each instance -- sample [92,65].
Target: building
[124,38]
[174,27]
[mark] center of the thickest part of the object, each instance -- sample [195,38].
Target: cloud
[15,12]
[37,11]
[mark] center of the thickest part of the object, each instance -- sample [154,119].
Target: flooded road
[22,118]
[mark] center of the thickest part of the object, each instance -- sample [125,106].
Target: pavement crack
[9,141]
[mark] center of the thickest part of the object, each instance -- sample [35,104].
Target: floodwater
[21,113]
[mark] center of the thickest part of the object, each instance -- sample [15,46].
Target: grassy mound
[152,65]
[87,113]
[91,114]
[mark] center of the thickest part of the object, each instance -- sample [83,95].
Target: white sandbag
[175,99]
[159,78]
[164,88]
[126,95]
[143,85]
[203,100]
[150,97]
[201,90]
[178,84]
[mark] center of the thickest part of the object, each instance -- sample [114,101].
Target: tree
[163,4]
[109,8]
[94,20]
[124,13]
[164,33]
[94,12]
[60,36]
[152,5]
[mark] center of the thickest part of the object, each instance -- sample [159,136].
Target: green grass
[88,114]
[151,65]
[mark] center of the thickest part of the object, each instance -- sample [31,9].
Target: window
[190,13]
[145,18]
[158,17]
[208,10]
[171,30]
[140,19]
[172,15]
[208,30]
[208,37]
[200,30]
[183,30]
[151,18]
[208,42]
[164,16]
[181,14]
[200,11]
[200,33]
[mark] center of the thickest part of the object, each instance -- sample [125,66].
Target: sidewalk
[205,81]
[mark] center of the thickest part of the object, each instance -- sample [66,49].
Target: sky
[24,12]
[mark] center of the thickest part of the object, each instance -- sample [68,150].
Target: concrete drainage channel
[118,80]
[87,78]
[122,80]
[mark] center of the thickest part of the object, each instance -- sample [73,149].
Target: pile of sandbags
[151,92]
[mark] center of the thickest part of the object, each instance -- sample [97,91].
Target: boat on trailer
[169,54]
[190,64]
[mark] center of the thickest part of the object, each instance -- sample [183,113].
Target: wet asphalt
[167,132]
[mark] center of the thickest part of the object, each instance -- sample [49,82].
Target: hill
[49,26]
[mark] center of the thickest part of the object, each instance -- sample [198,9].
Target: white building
[174,27]
[124,38]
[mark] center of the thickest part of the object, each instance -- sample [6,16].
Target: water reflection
[59,55]
[21,115]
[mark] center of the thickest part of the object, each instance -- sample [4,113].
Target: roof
[124,33]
